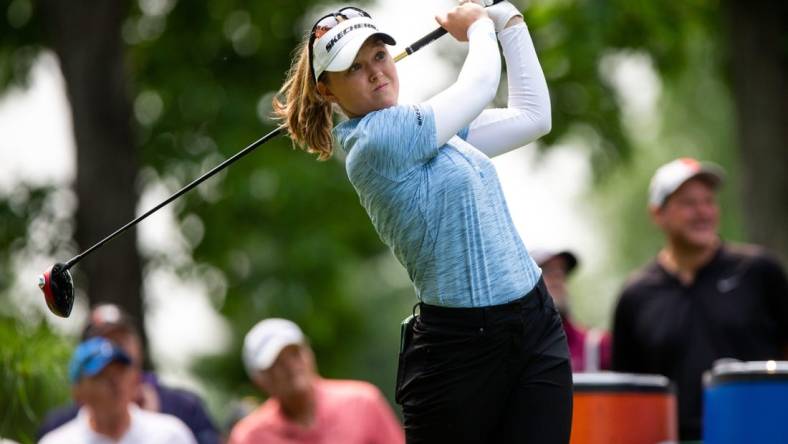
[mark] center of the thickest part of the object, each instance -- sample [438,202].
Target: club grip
[427,39]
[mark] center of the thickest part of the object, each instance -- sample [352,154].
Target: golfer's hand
[458,20]
[503,14]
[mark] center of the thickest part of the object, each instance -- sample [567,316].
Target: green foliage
[573,36]
[694,117]
[280,234]
[22,39]
[17,210]
[33,362]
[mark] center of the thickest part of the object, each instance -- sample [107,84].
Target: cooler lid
[624,382]
[729,370]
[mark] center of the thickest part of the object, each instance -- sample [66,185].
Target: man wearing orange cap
[700,299]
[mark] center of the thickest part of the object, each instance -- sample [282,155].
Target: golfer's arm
[527,116]
[455,107]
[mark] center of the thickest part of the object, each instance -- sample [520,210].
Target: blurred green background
[161,90]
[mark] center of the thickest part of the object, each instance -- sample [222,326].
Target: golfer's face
[370,84]
[691,215]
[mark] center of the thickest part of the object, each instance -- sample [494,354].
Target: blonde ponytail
[307,116]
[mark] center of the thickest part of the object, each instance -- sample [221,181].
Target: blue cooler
[746,402]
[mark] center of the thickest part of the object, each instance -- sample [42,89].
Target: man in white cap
[589,349]
[303,407]
[700,299]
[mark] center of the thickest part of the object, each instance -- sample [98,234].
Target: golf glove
[500,13]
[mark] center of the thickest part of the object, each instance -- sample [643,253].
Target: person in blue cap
[111,322]
[104,382]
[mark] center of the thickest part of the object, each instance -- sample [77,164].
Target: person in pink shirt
[590,349]
[303,407]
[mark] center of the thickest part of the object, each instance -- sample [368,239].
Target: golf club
[57,284]
[427,39]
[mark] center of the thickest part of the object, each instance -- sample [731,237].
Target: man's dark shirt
[182,404]
[737,307]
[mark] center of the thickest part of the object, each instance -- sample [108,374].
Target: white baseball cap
[266,340]
[542,255]
[337,48]
[672,175]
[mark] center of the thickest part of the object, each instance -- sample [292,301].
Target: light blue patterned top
[441,210]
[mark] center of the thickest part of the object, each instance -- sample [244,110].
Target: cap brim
[542,256]
[675,174]
[571,260]
[710,174]
[266,358]
[713,175]
[95,366]
[347,54]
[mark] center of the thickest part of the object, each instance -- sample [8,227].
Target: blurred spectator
[239,409]
[110,322]
[105,382]
[700,299]
[590,349]
[303,407]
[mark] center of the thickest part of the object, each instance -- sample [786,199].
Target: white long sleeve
[455,107]
[527,117]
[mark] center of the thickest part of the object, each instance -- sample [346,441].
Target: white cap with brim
[336,49]
[672,175]
[266,340]
[542,255]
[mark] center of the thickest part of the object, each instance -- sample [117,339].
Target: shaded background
[110,106]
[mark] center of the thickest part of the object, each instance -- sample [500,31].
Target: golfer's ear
[324,91]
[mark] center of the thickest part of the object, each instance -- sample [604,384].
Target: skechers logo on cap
[342,33]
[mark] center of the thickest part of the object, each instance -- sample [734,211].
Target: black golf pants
[498,374]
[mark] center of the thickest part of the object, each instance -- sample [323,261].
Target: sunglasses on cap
[327,22]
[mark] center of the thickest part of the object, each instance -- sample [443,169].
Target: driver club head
[58,288]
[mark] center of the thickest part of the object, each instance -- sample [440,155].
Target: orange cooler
[622,408]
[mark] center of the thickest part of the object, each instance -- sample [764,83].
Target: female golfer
[486,360]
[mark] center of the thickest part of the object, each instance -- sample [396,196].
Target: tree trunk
[759,74]
[86,37]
